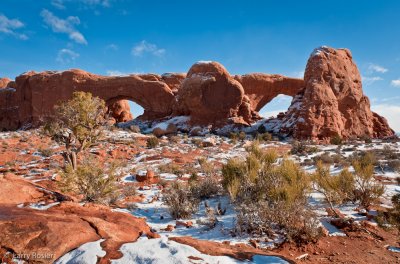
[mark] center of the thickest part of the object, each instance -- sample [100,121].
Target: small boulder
[159,131]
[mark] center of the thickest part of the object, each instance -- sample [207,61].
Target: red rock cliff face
[332,102]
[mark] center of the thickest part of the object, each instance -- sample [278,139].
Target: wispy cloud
[66,26]
[390,112]
[66,56]
[376,68]
[58,4]
[116,73]
[368,80]
[145,47]
[61,4]
[395,83]
[298,74]
[9,26]
[112,47]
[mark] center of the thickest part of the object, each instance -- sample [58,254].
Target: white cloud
[60,4]
[395,83]
[390,112]
[9,26]
[64,25]
[376,68]
[116,73]
[370,80]
[66,56]
[144,47]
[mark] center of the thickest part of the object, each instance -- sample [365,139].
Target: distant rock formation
[332,102]
[4,82]
[209,95]
[328,102]
[120,111]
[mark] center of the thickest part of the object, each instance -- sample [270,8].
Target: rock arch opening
[279,104]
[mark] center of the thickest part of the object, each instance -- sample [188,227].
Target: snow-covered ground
[221,149]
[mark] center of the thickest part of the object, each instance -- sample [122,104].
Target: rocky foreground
[38,219]
[328,102]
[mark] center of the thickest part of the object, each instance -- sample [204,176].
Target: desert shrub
[366,139]
[264,136]
[91,180]
[152,142]
[392,216]
[308,162]
[269,195]
[336,140]
[180,201]
[205,188]
[46,152]
[129,190]
[134,129]
[206,166]
[367,157]
[394,165]
[389,153]
[171,168]
[298,148]
[325,158]
[233,136]
[242,135]
[337,189]
[197,142]
[367,189]
[174,139]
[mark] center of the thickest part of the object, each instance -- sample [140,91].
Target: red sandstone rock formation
[120,111]
[262,88]
[328,102]
[37,93]
[332,102]
[211,96]
[4,82]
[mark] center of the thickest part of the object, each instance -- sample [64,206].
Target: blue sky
[126,36]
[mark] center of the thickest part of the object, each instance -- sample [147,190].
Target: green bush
[152,142]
